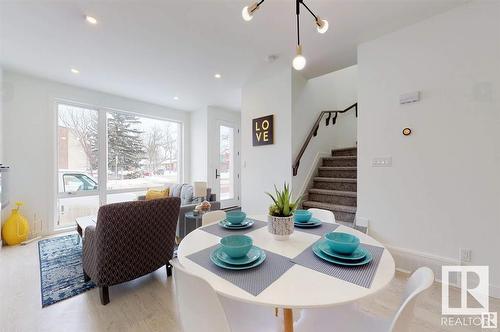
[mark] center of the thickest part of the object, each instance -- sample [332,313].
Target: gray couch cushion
[186,194]
[175,190]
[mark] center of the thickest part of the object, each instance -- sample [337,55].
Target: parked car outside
[80,197]
[72,181]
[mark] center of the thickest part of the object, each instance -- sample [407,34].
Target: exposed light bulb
[75,71]
[91,19]
[322,25]
[245,13]
[176,98]
[299,62]
[217,75]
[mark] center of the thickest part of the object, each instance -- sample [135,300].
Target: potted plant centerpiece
[280,219]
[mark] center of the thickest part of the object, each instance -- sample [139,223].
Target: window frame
[180,149]
[83,178]
[102,146]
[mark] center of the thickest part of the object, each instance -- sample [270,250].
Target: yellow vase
[16,227]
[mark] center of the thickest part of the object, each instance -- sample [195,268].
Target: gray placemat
[320,230]
[253,280]
[218,230]
[359,275]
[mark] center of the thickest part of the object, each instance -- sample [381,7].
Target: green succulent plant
[283,206]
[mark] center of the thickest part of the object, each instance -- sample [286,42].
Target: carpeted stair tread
[335,183]
[337,168]
[353,151]
[326,179]
[345,149]
[333,192]
[330,207]
[339,161]
[339,157]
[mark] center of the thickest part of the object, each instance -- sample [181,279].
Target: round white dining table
[299,287]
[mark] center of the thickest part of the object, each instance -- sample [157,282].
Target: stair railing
[332,115]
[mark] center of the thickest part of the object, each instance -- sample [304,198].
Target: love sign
[262,130]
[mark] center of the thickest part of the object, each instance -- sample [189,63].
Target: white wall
[1,113]
[443,191]
[269,91]
[199,145]
[29,134]
[3,212]
[333,91]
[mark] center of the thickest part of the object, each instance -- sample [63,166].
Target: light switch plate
[382,162]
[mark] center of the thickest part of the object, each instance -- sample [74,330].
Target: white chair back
[323,215]
[212,216]
[419,281]
[198,304]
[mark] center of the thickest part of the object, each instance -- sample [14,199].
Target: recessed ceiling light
[217,75]
[75,71]
[176,98]
[91,19]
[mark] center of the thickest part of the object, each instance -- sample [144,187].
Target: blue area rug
[61,272]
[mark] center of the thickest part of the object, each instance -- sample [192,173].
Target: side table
[193,221]
[82,223]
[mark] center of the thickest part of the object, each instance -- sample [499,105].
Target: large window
[77,163]
[140,153]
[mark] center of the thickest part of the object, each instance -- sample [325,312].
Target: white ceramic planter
[280,227]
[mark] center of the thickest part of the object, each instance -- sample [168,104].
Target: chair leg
[86,278]
[169,270]
[104,294]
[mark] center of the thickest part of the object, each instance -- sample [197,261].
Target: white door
[227,172]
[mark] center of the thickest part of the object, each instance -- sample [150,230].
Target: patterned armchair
[129,240]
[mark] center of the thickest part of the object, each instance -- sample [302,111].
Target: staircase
[335,187]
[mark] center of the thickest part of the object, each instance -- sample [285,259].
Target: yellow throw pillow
[155,194]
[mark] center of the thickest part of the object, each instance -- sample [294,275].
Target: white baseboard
[408,260]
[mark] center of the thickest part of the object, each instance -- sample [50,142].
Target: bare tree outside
[169,143]
[153,145]
[83,125]
[141,153]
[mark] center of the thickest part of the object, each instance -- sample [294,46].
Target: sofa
[129,240]
[188,203]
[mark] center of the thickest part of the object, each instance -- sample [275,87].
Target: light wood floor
[147,304]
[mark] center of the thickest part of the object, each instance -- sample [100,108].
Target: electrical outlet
[465,255]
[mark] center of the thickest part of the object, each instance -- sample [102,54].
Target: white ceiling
[155,50]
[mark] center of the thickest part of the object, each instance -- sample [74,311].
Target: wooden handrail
[314,132]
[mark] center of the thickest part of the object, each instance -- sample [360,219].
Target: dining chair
[323,215]
[212,217]
[201,309]
[351,318]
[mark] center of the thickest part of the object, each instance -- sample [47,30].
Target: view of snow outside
[226,163]
[142,153]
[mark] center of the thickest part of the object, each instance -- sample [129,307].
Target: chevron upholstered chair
[129,240]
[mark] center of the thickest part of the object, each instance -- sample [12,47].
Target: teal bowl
[343,243]
[235,217]
[236,246]
[302,215]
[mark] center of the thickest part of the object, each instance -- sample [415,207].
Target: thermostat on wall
[411,97]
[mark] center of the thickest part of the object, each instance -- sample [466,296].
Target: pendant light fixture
[247,12]
[299,61]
